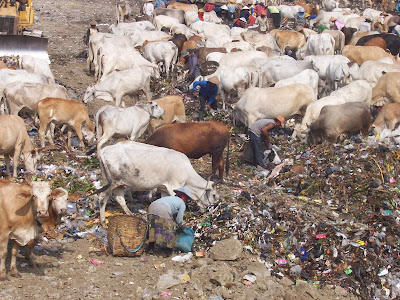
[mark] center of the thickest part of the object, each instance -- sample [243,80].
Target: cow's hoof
[16,275]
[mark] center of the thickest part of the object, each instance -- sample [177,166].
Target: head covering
[184,53]
[301,9]
[224,7]
[231,1]
[280,119]
[201,10]
[149,0]
[263,13]
[93,23]
[245,7]
[214,80]
[243,19]
[184,190]
[332,19]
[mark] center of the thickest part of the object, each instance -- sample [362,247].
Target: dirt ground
[66,270]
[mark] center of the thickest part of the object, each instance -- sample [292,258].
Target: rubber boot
[201,116]
[150,248]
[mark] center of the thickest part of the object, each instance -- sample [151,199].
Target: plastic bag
[185,239]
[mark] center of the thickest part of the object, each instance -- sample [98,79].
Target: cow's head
[41,193]
[156,111]
[59,201]
[209,196]
[89,94]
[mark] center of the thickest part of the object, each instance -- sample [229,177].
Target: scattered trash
[97,262]
[183,258]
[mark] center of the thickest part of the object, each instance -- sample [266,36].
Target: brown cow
[174,111]
[387,89]
[202,52]
[15,141]
[378,42]
[185,7]
[20,205]
[360,54]
[389,117]
[292,39]
[66,112]
[57,209]
[309,8]
[196,140]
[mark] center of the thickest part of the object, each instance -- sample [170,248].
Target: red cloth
[251,21]
[209,7]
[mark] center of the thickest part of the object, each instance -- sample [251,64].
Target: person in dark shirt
[208,92]
[194,65]
[245,13]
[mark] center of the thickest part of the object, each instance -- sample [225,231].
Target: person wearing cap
[245,13]
[262,21]
[240,23]
[300,20]
[208,92]
[224,12]
[231,10]
[162,225]
[91,31]
[258,133]
[148,9]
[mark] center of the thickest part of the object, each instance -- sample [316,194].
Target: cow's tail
[106,174]
[227,155]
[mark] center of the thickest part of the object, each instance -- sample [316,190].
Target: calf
[174,111]
[128,122]
[67,112]
[20,206]
[144,167]
[57,209]
[15,141]
[388,117]
[334,120]
[196,140]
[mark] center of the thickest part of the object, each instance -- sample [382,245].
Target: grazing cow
[162,21]
[202,53]
[312,113]
[387,89]
[142,167]
[20,206]
[339,74]
[260,103]
[175,13]
[118,58]
[123,11]
[355,91]
[67,112]
[342,118]
[378,42]
[360,54]
[15,142]
[388,117]
[118,84]
[130,122]
[307,77]
[21,95]
[339,38]
[196,140]
[285,39]
[318,44]
[242,58]
[174,111]
[371,70]
[57,209]
[164,52]
[392,41]
[183,6]
[37,66]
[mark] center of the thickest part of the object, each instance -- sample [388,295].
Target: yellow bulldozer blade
[17,45]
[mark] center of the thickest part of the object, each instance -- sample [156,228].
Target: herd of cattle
[336,78]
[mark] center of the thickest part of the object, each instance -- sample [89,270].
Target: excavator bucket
[17,45]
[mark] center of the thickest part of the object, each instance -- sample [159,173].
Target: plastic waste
[183,258]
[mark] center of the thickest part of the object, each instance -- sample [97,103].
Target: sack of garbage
[185,239]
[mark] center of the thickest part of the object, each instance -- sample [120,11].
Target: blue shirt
[205,90]
[177,206]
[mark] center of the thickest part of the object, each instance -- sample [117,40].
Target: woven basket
[126,235]
[208,67]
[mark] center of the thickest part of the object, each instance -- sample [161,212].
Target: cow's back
[12,132]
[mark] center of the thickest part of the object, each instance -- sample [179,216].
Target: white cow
[236,33]
[318,44]
[118,84]
[260,103]
[320,63]
[214,56]
[371,71]
[241,58]
[129,28]
[130,122]
[21,95]
[339,38]
[211,17]
[182,29]
[323,18]
[243,46]
[164,52]
[387,134]
[276,70]
[162,21]
[355,91]
[371,13]
[118,58]
[218,40]
[355,22]
[339,74]
[142,167]
[258,40]
[37,66]
[289,11]
[312,113]
[206,29]
[233,79]
[139,36]
[307,77]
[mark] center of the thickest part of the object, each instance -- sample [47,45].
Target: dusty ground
[66,271]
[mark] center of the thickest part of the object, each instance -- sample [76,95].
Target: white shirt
[148,8]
